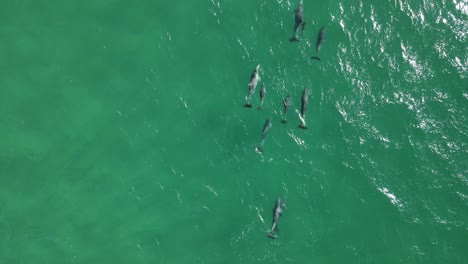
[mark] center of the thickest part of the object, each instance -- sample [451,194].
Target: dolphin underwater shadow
[319,42]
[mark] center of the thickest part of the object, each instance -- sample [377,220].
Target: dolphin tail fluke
[249,105]
[284,121]
[294,39]
[302,126]
[271,235]
[259,149]
[260,108]
[315,58]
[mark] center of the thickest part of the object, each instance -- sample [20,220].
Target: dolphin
[298,22]
[320,39]
[266,127]
[286,104]
[254,78]
[302,116]
[277,211]
[262,96]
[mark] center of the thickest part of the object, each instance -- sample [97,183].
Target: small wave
[392,197]
[298,140]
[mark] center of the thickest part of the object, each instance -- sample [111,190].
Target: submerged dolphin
[254,78]
[286,104]
[320,39]
[262,96]
[305,101]
[298,21]
[266,127]
[277,211]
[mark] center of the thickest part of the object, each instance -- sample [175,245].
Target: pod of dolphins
[299,24]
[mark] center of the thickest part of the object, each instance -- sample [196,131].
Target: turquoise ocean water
[123,138]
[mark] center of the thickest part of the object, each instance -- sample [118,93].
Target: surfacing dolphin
[318,45]
[277,212]
[302,116]
[286,105]
[266,128]
[254,78]
[298,22]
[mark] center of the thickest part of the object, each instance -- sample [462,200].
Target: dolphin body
[302,116]
[286,105]
[298,22]
[254,78]
[277,211]
[262,96]
[318,45]
[266,128]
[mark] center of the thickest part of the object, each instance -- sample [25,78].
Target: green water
[123,138]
